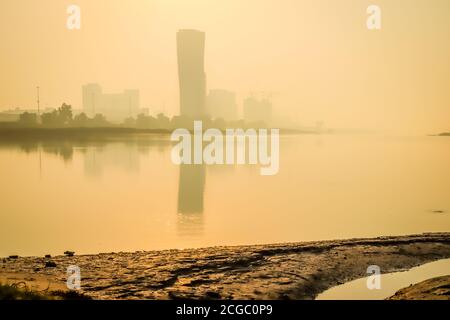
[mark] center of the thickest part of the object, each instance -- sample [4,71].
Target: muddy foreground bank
[281,271]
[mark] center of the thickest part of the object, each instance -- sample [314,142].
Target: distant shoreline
[279,271]
[22,132]
[443,134]
[13,131]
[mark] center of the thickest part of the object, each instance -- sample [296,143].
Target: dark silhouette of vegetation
[20,291]
[63,118]
[81,120]
[58,118]
[28,119]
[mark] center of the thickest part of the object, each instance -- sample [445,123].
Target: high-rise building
[91,98]
[116,107]
[191,72]
[222,104]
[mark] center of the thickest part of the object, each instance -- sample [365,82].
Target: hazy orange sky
[316,57]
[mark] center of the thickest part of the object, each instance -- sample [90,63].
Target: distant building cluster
[116,107]
[192,81]
[195,101]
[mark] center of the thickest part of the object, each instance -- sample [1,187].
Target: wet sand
[35,282]
[280,271]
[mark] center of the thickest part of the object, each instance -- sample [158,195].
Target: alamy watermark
[374,280]
[73,278]
[227,147]
[74,19]
[373,22]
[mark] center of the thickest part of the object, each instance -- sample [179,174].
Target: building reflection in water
[191,188]
[99,156]
[121,156]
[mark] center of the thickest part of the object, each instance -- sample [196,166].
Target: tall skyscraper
[91,98]
[191,72]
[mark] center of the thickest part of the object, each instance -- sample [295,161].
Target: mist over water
[125,194]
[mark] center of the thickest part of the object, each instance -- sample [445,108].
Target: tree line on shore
[63,117]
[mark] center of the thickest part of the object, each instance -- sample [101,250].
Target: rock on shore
[432,289]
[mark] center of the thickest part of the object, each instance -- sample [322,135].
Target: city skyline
[319,58]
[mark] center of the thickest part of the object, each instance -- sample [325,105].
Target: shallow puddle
[390,283]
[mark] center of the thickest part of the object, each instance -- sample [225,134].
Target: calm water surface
[126,195]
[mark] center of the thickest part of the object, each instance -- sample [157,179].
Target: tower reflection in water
[191,189]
